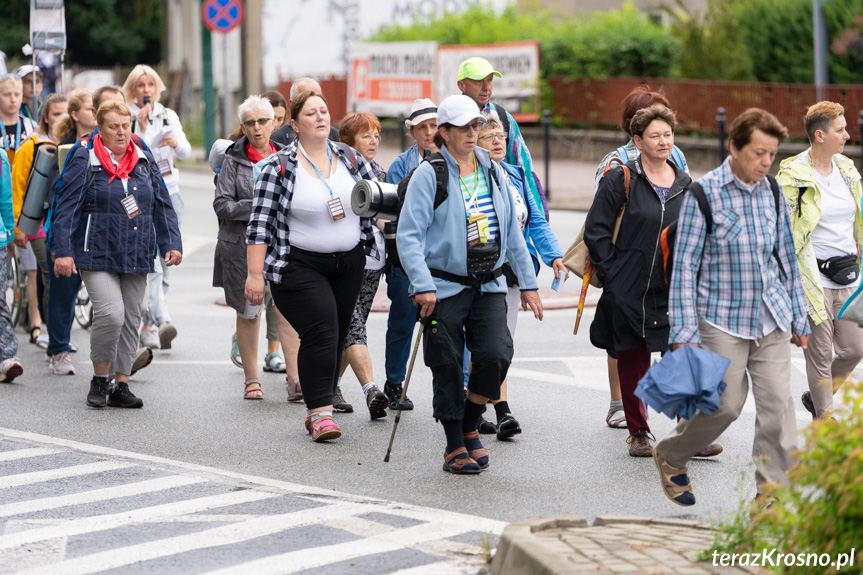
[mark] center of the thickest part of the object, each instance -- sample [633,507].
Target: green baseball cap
[476,68]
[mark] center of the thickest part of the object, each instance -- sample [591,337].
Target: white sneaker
[167,332]
[150,337]
[42,340]
[61,364]
[10,369]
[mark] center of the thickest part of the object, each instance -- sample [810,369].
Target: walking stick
[423,322]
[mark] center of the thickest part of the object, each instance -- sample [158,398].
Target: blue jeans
[61,311]
[157,281]
[400,325]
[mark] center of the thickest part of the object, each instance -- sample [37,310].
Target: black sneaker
[98,391]
[486,427]
[394,395]
[339,403]
[507,427]
[807,403]
[120,396]
[377,403]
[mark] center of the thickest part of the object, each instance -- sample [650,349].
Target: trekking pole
[423,322]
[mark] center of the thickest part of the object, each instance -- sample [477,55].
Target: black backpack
[441,173]
[669,233]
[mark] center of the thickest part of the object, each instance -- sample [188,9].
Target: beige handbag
[577,257]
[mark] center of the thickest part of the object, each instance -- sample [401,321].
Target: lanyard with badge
[337,210]
[477,222]
[3,135]
[130,204]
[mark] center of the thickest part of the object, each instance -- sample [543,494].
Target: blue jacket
[537,232]
[429,238]
[402,166]
[7,219]
[91,225]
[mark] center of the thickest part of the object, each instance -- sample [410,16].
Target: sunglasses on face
[475,126]
[492,137]
[259,121]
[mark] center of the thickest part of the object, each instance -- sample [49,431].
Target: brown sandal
[479,454]
[253,390]
[459,466]
[675,482]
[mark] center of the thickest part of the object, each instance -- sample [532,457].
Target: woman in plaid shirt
[737,292]
[306,242]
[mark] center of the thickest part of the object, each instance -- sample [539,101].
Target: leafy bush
[618,42]
[821,511]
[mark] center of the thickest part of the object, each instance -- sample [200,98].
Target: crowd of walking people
[760,263]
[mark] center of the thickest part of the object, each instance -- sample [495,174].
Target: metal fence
[596,103]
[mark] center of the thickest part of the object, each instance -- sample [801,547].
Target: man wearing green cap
[476,79]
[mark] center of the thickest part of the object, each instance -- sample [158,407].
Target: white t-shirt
[309,221]
[834,233]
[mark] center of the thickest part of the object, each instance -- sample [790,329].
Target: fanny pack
[482,258]
[840,269]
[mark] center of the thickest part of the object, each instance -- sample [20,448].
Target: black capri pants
[317,296]
[478,320]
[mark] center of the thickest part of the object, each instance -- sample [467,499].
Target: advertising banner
[385,79]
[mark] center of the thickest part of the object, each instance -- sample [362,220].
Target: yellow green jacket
[805,211]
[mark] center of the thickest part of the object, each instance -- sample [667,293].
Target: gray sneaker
[167,333]
[150,337]
[377,403]
[339,403]
[61,364]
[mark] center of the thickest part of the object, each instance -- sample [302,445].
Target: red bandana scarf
[127,164]
[254,156]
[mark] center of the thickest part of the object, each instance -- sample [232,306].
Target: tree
[99,32]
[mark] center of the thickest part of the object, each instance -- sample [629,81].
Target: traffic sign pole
[222,16]
[209,100]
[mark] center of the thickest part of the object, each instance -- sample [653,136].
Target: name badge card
[337,210]
[481,223]
[130,204]
[472,234]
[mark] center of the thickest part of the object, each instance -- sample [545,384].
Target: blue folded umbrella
[686,380]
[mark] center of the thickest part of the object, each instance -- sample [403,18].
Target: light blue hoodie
[437,239]
[7,218]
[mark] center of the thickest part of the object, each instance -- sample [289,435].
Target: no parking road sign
[222,15]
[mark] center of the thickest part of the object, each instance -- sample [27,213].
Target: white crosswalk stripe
[61,473]
[46,503]
[191,508]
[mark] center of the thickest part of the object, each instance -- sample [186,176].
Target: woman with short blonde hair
[160,128]
[823,191]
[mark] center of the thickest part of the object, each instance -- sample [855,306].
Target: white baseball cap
[26,69]
[458,110]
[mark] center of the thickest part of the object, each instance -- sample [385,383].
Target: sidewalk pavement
[631,545]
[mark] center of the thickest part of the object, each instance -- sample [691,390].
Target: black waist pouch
[482,258]
[840,269]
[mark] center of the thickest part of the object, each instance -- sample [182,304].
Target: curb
[612,544]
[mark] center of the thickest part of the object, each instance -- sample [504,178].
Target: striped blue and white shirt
[730,277]
[483,202]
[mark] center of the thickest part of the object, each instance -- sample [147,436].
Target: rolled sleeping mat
[374,199]
[36,192]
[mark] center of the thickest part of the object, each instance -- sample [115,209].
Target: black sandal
[33,337]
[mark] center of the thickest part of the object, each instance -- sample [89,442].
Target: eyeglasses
[492,137]
[475,126]
[259,121]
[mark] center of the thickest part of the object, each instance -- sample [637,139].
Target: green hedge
[764,40]
[618,42]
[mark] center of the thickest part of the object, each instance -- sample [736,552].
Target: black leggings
[317,296]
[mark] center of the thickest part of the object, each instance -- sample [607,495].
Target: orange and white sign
[385,78]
